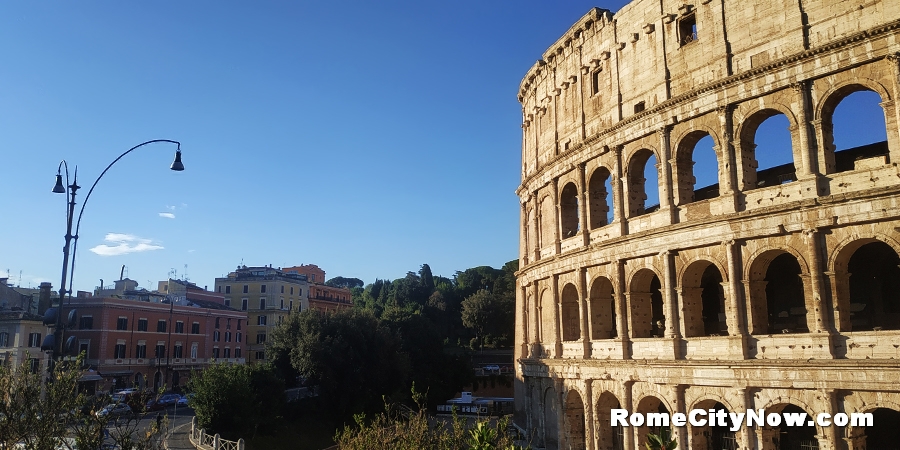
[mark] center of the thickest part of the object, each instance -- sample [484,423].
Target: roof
[19,315]
[210,305]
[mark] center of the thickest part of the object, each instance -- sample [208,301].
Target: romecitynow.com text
[712,417]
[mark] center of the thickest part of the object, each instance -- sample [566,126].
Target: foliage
[661,441]
[402,428]
[341,282]
[236,400]
[44,411]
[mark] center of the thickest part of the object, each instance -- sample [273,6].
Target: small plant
[661,441]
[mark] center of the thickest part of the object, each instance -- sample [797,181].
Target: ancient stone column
[557,316]
[584,309]
[583,206]
[666,160]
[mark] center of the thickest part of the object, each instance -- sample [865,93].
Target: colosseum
[775,286]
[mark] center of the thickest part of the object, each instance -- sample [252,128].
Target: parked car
[183,401]
[114,410]
[493,368]
[154,405]
[168,399]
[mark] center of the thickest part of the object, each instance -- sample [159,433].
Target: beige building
[268,295]
[776,288]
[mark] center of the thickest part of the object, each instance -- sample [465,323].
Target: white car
[114,410]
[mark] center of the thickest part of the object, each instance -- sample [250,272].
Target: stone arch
[862,436]
[763,294]
[601,211]
[719,435]
[603,309]
[637,182]
[571,318]
[683,177]
[702,295]
[866,284]
[546,325]
[752,176]
[550,420]
[790,437]
[569,220]
[648,404]
[645,305]
[828,102]
[608,437]
[574,419]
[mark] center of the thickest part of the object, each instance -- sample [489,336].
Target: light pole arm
[91,190]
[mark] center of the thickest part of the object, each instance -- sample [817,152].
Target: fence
[204,441]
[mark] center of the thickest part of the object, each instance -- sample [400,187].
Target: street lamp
[53,316]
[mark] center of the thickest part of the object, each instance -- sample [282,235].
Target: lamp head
[177,165]
[59,189]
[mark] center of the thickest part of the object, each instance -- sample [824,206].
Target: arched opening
[785,301]
[609,437]
[874,288]
[854,129]
[767,150]
[643,183]
[571,319]
[656,418]
[696,168]
[884,432]
[551,421]
[157,380]
[797,437]
[603,310]
[176,379]
[568,210]
[646,306]
[139,380]
[704,300]
[600,194]
[574,422]
[717,436]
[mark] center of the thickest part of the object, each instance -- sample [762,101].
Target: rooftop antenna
[122,272]
[185,273]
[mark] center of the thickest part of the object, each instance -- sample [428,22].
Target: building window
[119,352]
[261,320]
[34,339]
[228,289]
[195,328]
[179,327]
[160,350]
[595,81]
[237,337]
[260,338]
[194,350]
[292,305]
[228,302]
[239,324]
[260,356]
[687,29]
[216,336]
[282,303]
[300,291]
[122,323]
[161,326]
[246,289]
[4,339]
[227,324]
[142,324]
[84,347]
[177,351]
[227,336]
[216,352]
[237,352]
[86,323]
[262,289]
[262,303]
[34,364]
[227,353]
[243,304]
[218,319]
[140,351]
[639,107]
[282,289]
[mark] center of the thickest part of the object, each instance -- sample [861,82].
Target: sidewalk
[178,439]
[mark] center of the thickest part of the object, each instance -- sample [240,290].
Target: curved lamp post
[54,342]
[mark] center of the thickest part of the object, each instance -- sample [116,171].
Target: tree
[236,400]
[341,282]
[478,313]
[661,441]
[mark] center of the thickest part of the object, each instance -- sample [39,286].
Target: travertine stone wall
[737,296]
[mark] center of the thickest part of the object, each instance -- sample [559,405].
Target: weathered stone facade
[776,289]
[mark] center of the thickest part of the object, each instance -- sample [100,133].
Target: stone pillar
[727,160]
[736,325]
[665,160]
[681,433]
[622,313]
[840,300]
[745,441]
[557,219]
[809,156]
[523,327]
[523,239]
[585,311]
[767,438]
[830,438]
[669,295]
[589,415]
[536,333]
[891,123]
[620,193]
[538,241]
[825,148]
[583,206]
[557,316]
[820,311]
[756,307]
[630,433]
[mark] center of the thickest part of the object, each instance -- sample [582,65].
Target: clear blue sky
[365,137]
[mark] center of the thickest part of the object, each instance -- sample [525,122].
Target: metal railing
[205,441]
